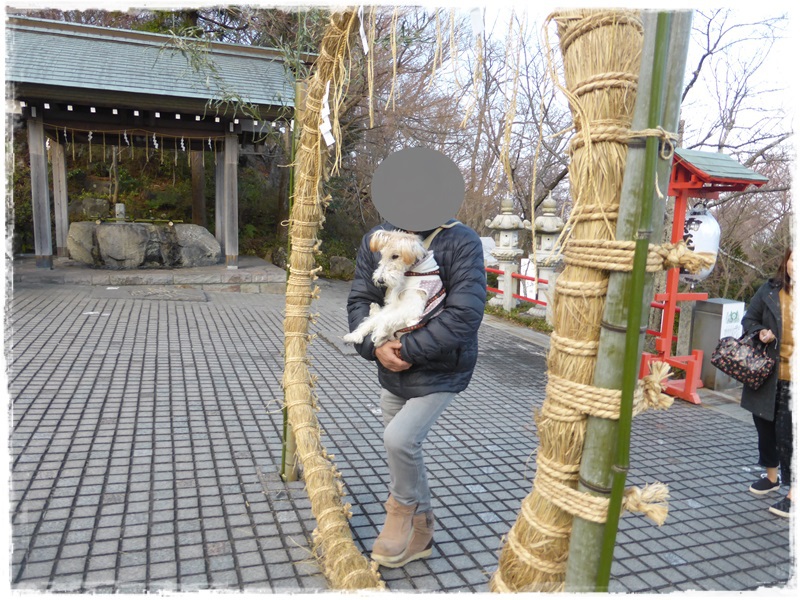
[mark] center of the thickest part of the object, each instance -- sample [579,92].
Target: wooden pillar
[198,189]
[58,156]
[231,201]
[219,202]
[40,193]
[285,181]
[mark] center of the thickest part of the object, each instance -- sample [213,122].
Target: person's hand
[389,356]
[766,336]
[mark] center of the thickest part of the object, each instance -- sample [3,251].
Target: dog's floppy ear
[411,249]
[377,240]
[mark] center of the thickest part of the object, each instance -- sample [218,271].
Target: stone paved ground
[145,452]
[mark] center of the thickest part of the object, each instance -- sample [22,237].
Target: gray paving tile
[156,455]
[256,574]
[37,570]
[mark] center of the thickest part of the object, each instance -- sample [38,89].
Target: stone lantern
[507,251]
[547,228]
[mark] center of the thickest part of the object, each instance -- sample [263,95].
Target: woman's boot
[395,536]
[421,543]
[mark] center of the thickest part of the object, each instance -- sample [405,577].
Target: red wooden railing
[654,304]
[517,276]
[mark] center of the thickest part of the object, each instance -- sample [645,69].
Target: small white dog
[414,290]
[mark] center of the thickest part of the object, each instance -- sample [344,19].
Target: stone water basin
[142,245]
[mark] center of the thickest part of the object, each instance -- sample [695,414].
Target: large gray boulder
[279,258]
[141,245]
[81,242]
[342,268]
[88,208]
[161,249]
[122,245]
[196,247]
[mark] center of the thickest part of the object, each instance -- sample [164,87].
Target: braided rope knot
[617,255]
[303,274]
[668,141]
[651,501]
[606,130]
[570,401]
[649,392]
[679,255]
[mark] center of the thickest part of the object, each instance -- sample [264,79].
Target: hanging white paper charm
[361,32]
[325,127]
[477,21]
[326,107]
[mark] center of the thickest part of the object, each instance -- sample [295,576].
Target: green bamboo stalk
[604,461]
[633,336]
[289,447]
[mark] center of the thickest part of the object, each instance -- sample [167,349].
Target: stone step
[253,276]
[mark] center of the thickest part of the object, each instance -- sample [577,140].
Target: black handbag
[742,360]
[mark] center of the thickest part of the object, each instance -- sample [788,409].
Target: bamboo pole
[621,339]
[669,113]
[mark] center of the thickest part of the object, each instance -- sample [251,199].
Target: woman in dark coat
[770,315]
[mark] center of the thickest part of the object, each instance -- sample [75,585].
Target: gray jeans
[407,425]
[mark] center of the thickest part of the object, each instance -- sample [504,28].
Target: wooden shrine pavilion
[72,83]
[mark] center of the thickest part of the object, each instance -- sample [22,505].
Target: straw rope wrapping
[557,481]
[601,55]
[341,562]
[613,255]
[568,397]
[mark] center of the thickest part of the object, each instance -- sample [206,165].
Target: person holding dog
[419,190]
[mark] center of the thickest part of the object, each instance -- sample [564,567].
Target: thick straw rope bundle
[601,51]
[601,55]
[343,565]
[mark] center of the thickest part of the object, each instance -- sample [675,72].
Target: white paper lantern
[701,233]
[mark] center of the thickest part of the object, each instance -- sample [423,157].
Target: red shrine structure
[703,175]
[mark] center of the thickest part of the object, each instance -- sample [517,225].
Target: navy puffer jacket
[443,352]
[764,312]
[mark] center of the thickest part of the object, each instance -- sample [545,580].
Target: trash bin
[712,320]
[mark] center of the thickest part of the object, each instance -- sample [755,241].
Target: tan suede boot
[421,544]
[396,533]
